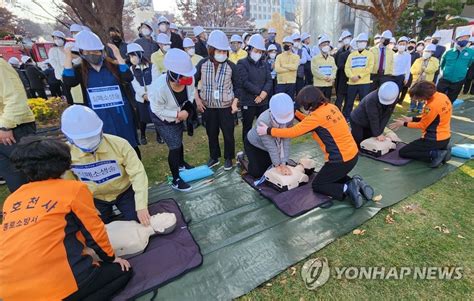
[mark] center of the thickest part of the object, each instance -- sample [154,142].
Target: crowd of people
[177,83]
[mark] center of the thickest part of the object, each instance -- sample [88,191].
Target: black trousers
[300,83]
[378,80]
[125,202]
[12,176]
[286,88]
[422,149]
[220,119]
[405,88]
[360,133]
[67,93]
[469,83]
[249,113]
[108,279]
[259,160]
[55,89]
[451,89]
[327,91]
[39,93]
[331,178]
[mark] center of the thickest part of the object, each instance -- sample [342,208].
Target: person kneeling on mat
[171,101]
[373,113]
[434,122]
[40,244]
[107,164]
[330,130]
[265,151]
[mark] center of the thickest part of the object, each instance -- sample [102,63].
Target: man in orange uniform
[435,122]
[40,253]
[330,130]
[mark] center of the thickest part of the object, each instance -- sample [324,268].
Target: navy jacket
[255,77]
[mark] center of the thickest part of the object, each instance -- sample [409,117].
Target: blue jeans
[125,202]
[352,92]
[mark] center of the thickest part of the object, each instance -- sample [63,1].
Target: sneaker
[160,140]
[2,181]
[438,157]
[212,162]
[240,157]
[228,164]
[366,190]
[143,140]
[185,166]
[354,193]
[180,185]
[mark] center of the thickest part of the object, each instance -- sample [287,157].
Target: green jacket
[455,63]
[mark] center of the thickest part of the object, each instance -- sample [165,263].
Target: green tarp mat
[246,240]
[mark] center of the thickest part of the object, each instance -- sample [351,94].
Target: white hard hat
[393,40]
[324,38]
[427,38]
[86,40]
[179,62]
[257,42]
[25,58]
[14,61]
[412,41]
[295,36]
[437,34]
[75,28]
[218,40]
[305,36]
[244,35]
[187,42]
[403,39]
[163,38]
[272,30]
[287,39]
[58,34]
[345,34]
[134,47]
[387,34]
[362,37]
[353,44]
[148,24]
[430,47]
[236,38]
[377,36]
[272,47]
[86,28]
[198,30]
[282,108]
[462,33]
[80,122]
[163,19]
[388,93]
[173,26]
[72,46]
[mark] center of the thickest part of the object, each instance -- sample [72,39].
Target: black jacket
[23,78]
[122,47]
[176,41]
[414,56]
[278,46]
[340,59]
[201,48]
[255,77]
[149,46]
[372,114]
[51,77]
[439,51]
[35,76]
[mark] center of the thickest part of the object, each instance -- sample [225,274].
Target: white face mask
[325,49]
[272,55]
[59,42]
[401,48]
[346,41]
[255,56]
[165,48]
[146,32]
[220,57]
[163,27]
[191,51]
[76,61]
[134,60]
[297,45]
[361,45]
[89,145]
[419,48]
[426,55]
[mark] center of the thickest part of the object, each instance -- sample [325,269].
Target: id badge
[216,94]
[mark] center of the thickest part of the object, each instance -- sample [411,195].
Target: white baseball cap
[187,43]
[388,93]
[163,39]
[134,47]
[179,62]
[218,40]
[87,40]
[282,108]
[80,122]
[198,30]
[257,41]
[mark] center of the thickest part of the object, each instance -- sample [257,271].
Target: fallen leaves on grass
[461,237]
[393,211]
[358,232]
[442,229]
[411,207]
[268,284]
[377,198]
[389,219]
[293,271]
[387,169]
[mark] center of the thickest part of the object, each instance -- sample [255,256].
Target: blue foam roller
[196,173]
[465,151]
[458,103]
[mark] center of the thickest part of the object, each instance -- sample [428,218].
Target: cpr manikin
[299,175]
[130,238]
[378,148]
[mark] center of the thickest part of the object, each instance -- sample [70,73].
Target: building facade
[261,11]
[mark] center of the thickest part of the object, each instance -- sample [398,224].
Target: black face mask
[434,41]
[411,48]
[93,59]
[286,47]
[116,39]
[386,42]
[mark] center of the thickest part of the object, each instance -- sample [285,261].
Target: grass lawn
[411,240]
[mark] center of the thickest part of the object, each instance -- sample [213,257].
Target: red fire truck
[37,50]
